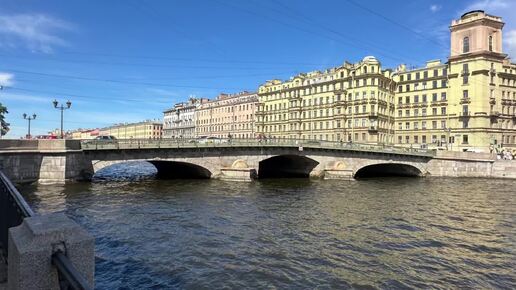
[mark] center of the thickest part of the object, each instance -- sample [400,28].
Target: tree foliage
[4,125]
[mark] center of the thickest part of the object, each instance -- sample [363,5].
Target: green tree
[4,125]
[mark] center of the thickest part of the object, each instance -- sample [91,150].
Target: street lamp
[29,118]
[62,108]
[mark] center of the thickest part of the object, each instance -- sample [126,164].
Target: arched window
[490,43]
[465,45]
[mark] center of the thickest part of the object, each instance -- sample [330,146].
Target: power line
[145,64]
[80,96]
[118,81]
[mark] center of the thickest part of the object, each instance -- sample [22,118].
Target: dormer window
[465,45]
[490,43]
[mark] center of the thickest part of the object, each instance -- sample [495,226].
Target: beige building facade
[352,102]
[141,130]
[228,116]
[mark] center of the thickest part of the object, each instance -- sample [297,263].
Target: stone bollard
[32,244]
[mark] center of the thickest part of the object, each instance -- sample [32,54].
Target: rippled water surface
[387,233]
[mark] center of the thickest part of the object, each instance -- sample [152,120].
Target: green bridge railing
[228,143]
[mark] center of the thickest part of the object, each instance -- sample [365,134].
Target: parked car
[105,138]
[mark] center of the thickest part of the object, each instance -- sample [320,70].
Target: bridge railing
[13,210]
[209,143]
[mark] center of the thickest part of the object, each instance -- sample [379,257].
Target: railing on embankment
[225,143]
[13,210]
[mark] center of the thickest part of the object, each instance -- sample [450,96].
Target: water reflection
[296,233]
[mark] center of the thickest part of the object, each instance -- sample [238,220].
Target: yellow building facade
[468,103]
[141,130]
[352,102]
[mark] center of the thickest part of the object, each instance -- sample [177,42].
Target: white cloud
[6,79]
[434,8]
[37,32]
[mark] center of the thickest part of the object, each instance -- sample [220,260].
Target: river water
[384,233]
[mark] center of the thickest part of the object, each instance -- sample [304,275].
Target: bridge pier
[238,174]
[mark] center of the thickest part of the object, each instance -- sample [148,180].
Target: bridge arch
[286,166]
[389,169]
[166,169]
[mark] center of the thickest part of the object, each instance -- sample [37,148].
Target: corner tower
[476,112]
[476,33]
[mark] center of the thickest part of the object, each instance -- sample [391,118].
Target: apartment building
[352,102]
[228,116]
[179,121]
[467,103]
[142,130]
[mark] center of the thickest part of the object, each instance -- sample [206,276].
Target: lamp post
[29,118]
[62,108]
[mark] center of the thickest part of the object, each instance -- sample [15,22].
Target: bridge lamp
[29,118]
[62,108]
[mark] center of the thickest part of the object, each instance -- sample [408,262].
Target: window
[464,139]
[423,125]
[423,98]
[423,139]
[400,113]
[417,76]
[434,85]
[399,139]
[407,100]
[416,139]
[434,97]
[407,126]
[407,113]
[400,100]
[434,111]
[416,99]
[465,45]
[490,40]
[407,139]
[416,112]
[443,96]
[443,110]
[415,125]
[443,124]
[465,94]
[423,112]
[425,74]
[402,77]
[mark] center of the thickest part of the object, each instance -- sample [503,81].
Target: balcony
[373,129]
[492,101]
[495,114]
[373,115]
[465,114]
[465,100]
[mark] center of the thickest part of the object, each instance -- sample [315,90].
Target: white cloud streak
[6,79]
[434,8]
[37,32]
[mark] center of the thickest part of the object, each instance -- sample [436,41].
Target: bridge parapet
[226,143]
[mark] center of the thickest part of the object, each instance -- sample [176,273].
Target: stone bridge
[60,160]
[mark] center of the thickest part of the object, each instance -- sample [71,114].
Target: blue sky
[128,60]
